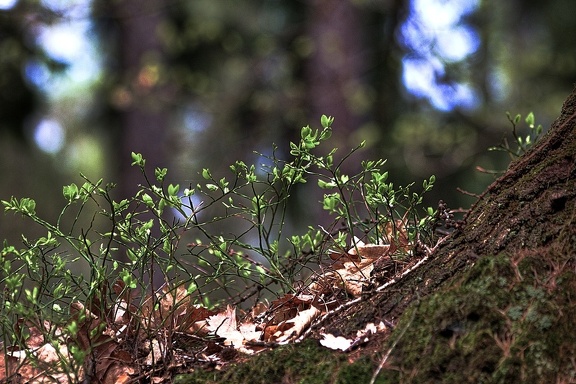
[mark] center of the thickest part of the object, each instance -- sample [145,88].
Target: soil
[493,303]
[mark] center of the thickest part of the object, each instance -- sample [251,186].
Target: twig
[468,193]
[489,171]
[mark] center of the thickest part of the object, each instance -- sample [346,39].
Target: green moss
[307,362]
[508,319]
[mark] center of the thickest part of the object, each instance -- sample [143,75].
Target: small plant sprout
[522,143]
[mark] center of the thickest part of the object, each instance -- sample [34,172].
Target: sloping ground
[494,303]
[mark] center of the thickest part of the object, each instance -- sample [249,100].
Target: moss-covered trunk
[494,303]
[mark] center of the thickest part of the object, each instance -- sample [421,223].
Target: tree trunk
[139,99]
[495,301]
[336,67]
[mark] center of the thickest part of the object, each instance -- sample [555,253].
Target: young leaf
[326,184]
[28,206]
[70,192]
[173,189]
[325,134]
[160,173]
[137,159]
[147,199]
[530,120]
[206,174]
[326,121]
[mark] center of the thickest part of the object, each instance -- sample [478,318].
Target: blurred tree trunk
[143,119]
[336,67]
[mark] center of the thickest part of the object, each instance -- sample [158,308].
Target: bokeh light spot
[7,4]
[49,136]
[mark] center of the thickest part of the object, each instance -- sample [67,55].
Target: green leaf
[223,183]
[326,121]
[9,205]
[305,132]
[28,206]
[138,160]
[161,205]
[206,174]
[167,246]
[257,205]
[330,202]
[539,129]
[87,189]
[121,206]
[530,120]
[251,175]
[192,287]
[295,240]
[238,166]
[70,192]
[160,173]
[325,134]
[294,150]
[14,281]
[147,199]
[173,189]
[326,184]
[127,278]
[72,328]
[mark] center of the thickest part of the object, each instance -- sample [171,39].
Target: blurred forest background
[202,83]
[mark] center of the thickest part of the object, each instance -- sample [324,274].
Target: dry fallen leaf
[333,342]
[351,277]
[156,353]
[351,270]
[370,251]
[288,306]
[225,325]
[344,344]
[291,329]
[396,230]
[40,363]
[118,374]
[374,251]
